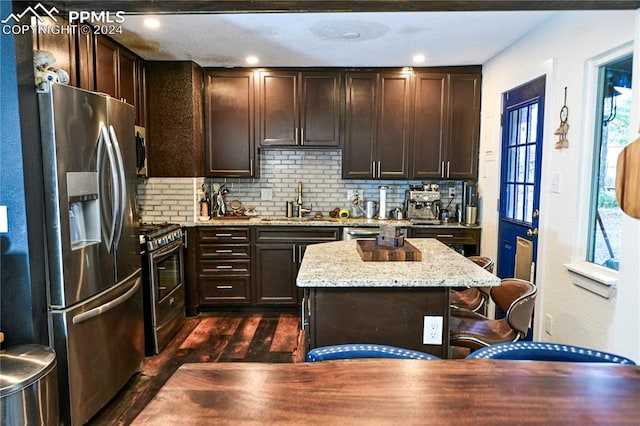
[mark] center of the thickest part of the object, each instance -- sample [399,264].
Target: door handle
[536,213]
[122,189]
[92,313]
[301,135]
[532,232]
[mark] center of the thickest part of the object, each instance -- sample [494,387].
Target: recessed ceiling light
[152,23]
[419,58]
[350,35]
[252,60]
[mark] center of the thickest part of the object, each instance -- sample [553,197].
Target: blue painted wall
[16,310]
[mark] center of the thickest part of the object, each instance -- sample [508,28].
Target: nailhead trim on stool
[540,351]
[348,351]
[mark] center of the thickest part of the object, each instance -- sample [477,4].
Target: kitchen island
[406,304]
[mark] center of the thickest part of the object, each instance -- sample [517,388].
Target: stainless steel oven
[163,272]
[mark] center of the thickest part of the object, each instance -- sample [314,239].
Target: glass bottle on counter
[205,206]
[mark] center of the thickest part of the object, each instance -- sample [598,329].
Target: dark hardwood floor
[227,337]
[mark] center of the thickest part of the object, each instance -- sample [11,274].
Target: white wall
[561,48]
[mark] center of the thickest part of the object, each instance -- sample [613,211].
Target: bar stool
[541,351]
[350,351]
[473,298]
[474,331]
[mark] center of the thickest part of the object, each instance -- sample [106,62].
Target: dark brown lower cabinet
[464,240]
[276,268]
[224,266]
[278,252]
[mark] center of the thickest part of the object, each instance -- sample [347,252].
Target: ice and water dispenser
[84,209]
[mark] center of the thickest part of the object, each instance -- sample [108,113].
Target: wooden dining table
[392,391]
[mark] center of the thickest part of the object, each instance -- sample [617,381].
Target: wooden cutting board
[628,179]
[370,252]
[230,217]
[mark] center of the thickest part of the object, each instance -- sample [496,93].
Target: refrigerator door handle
[105,145]
[92,313]
[122,190]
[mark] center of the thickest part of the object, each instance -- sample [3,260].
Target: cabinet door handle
[379,170]
[299,254]
[373,166]
[295,136]
[444,236]
[223,235]
[301,135]
[224,251]
[224,267]
[293,253]
[224,287]
[448,167]
[442,169]
[251,166]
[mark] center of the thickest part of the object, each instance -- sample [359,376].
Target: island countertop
[338,264]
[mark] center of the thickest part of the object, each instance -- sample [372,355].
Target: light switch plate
[555,183]
[4,222]
[432,332]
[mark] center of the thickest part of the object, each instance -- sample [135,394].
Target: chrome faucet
[302,210]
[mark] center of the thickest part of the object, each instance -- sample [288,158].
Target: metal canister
[29,392]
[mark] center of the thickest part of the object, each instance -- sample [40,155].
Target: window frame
[600,79]
[600,280]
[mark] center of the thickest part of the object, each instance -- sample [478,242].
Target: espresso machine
[422,203]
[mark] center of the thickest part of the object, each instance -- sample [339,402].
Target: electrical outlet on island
[432,332]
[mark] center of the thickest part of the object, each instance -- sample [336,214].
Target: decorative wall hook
[563,129]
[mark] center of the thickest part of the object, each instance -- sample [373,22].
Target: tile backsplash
[177,199]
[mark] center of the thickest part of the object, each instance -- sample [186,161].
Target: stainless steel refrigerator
[94,279]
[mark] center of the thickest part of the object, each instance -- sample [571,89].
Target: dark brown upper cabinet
[299,108]
[229,124]
[377,125]
[174,122]
[62,47]
[106,67]
[116,73]
[446,125]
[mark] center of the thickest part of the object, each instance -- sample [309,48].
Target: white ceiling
[329,39]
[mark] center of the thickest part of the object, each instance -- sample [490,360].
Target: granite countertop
[440,267]
[323,221]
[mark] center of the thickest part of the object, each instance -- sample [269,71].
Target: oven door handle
[167,249]
[92,313]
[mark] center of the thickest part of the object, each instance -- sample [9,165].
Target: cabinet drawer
[215,234]
[297,234]
[448,235]
[224,251]
[223,266]
[224,290]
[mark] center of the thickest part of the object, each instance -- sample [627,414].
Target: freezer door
[122,135]
[80,262]
[99,345]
